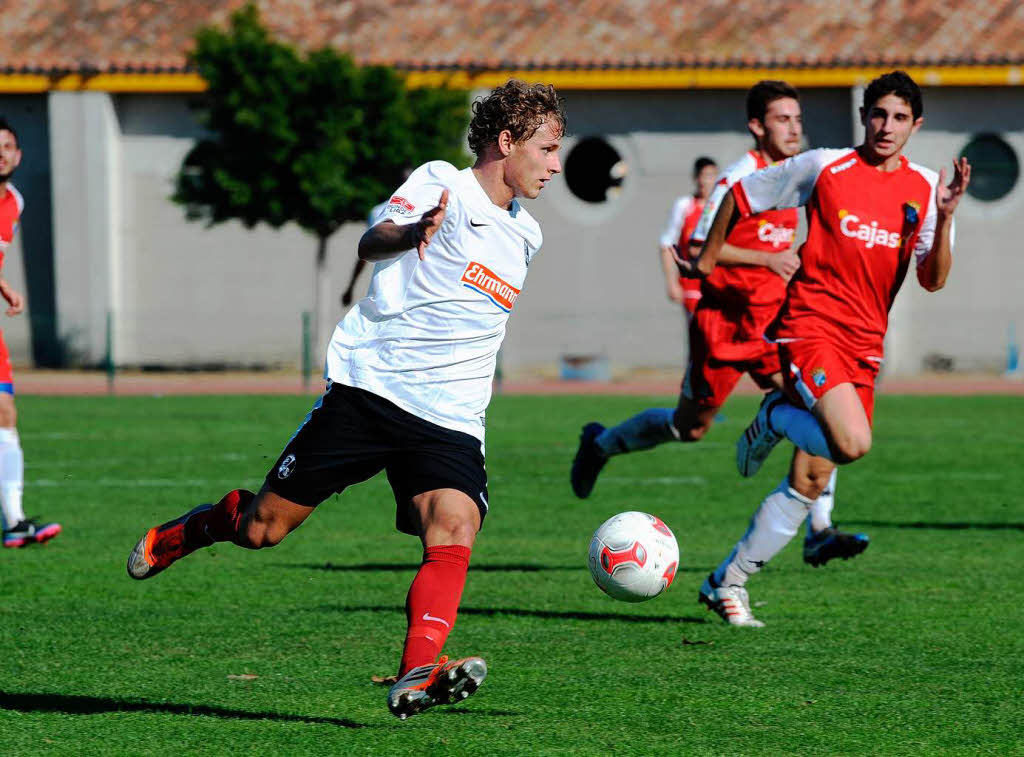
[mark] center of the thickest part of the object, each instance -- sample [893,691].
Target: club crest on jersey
[911,213]
[401,206]
[482,279]
[870,233]
[819,377]
[287,467]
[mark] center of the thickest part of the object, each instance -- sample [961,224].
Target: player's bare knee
[808,483]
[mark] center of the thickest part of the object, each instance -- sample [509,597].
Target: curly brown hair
[517,106]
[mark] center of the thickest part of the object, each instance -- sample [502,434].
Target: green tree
[309,138]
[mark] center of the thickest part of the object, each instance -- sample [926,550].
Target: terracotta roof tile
[102,35]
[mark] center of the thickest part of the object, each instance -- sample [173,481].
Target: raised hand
[948,197]
[430,222]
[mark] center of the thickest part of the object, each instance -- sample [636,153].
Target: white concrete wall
[186,294]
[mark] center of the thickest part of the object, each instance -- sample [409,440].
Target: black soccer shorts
[351,435]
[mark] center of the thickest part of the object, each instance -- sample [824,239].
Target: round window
[594,170]
[994,167]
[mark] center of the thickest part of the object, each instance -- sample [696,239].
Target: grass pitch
[915,647]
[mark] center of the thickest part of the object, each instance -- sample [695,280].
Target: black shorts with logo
[351,435]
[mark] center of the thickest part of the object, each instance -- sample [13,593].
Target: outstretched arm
[13,297]
[935,267]
[387,239]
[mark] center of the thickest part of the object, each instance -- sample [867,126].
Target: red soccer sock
[220,523]
[433,603]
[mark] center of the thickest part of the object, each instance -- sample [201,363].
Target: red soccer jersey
[754,290]
[863,227]
[11,205]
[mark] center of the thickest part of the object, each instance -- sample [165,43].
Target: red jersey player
[682,221]
[871,214]
[725,340]
[739,302]
[19,531]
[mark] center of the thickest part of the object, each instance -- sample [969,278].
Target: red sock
[433,603]
[220,523]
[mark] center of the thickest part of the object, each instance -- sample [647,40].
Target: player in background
[19,531]
[682,221]
[871,212]
[371,220]
[727,331]
[409,372]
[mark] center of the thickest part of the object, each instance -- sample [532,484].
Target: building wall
[184,294]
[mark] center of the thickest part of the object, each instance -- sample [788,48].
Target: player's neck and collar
[489,174]
[763,155]
[883,163]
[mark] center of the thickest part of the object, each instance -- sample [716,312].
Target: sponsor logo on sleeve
[401,206]
[482,279]
[868,232]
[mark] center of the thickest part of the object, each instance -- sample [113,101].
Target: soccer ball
[633,557]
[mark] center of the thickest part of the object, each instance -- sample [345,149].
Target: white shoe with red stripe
[730,602]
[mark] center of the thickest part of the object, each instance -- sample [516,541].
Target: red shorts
[720,353]
[6,373]
[691,293]
[813,366]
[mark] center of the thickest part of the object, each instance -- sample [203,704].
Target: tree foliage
[312,138]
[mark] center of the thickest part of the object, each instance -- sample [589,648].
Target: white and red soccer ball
[633,556]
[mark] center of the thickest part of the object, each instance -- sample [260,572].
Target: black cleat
[588,462]
[831,542]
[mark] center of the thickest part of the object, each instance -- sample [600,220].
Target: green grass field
[915,647]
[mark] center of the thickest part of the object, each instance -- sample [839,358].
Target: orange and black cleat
[440,682]
[162,546]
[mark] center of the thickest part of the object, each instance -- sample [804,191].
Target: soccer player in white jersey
[871,214]
[18,531]
[409,373]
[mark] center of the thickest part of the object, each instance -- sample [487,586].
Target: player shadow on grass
[483,568]
[73,704]
[952,526]
[522,613]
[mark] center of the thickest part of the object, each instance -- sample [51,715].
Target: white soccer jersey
[426,336]
[680,210]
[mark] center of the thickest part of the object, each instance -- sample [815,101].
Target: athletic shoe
[162,546]
[440,682]
[588,462]
[28,532]
[830,542]
[759,438]
[730,602]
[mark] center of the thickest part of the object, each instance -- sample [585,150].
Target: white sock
[774,523]
[820,516]
[801,428]
[12,471]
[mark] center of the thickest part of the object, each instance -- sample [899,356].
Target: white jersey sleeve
[742,167]
[420,193]
[680,209]
[926,237]
[788,184]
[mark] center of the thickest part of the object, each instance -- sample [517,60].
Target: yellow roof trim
[579,79]
[721,78]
